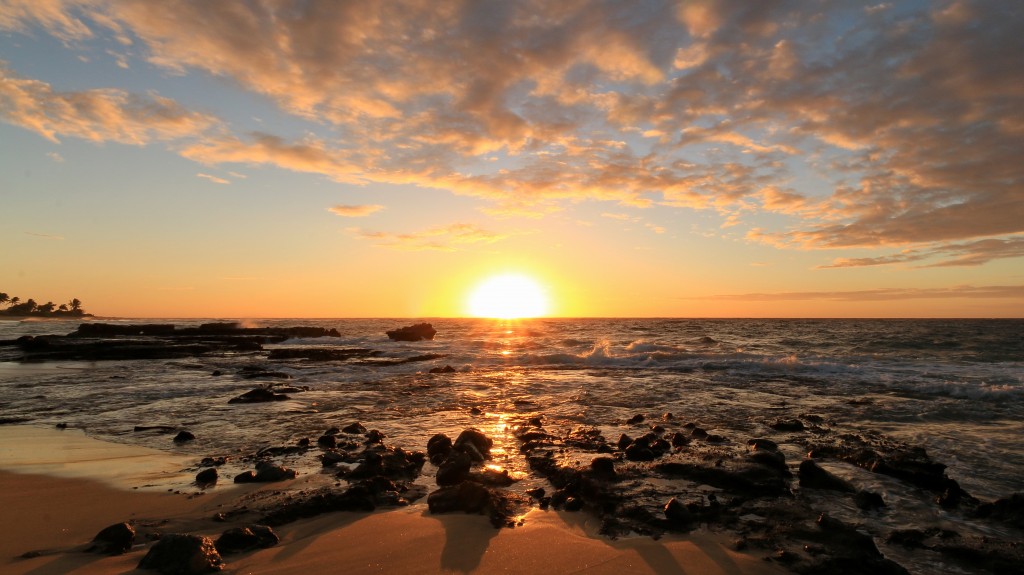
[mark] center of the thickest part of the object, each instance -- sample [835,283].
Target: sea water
[953,387]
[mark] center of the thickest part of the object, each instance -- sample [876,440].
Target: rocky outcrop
[179,554]
[416,332]
[116,539]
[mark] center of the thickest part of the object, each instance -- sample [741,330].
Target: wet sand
[64,487]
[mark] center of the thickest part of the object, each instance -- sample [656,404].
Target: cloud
[55,157]
[46,236]
[883,294]
[354,211]
[892,126]
[963,254]
[444,238]
[213,179]
[95,115]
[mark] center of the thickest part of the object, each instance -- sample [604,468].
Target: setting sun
[507,297]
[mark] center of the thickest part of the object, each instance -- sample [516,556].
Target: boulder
[268,472]
[676,512]
[454,469]
[475,443]
[207,476]
[438,448]
[868,500]
[815,477]
[259,395]
[355,428]
[116,539]
[179,554]
[241,539]
[184,436]
[417,332]
[787,425]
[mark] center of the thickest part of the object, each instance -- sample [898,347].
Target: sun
[508,296]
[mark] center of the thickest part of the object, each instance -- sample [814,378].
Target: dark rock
[417,332]
[774,459]
[178,554]
[438,448]
[468,497]
[374,436]
[259,395]
[362,496]
[638,418]
[475,443]
[445,369]
[868,500]
[573,504]
[787,425]
[603,466]
[536,493]
[354,428]
[320,354]
[116,539]
[207,476]
[676,512]
[762,445]
[246,477]
[815,477]
[329,458]
[639,452]
[213,461]
[158,428]
[1009,510]
[475,411]
[184,436]
[268,473]
[951,495]
[492,477]
[699,433]
[679,439]
[327,441]
[241,539]
[454,469]
[624,441]
[217,373]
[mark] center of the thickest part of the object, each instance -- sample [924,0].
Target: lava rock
[679,439]
[638,418]
[438,448]
[246,477]
[637,451]
[676,512]
[116,539]
[868,500]
[207,476]
[327,441]
[259,395]
[241,539]
[814,477]
[787,425]
[454,469]
[417,332]
[268,473]
[184,436]
[355,428]
[475,443]
[179,554]
[374,436]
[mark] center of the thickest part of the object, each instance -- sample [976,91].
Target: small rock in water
[438,448]
[184,436]
[475,443]
[374,436]
[815,477]
[116,539]
[475,411]
[868,500]
[327,441]
[762,445]
[259,395]
[638,418]
[179,554]
[445,369]
[267,473]
[415,332]
[207,476]
[624,441]
[787,425]
[604,466]
[354,428]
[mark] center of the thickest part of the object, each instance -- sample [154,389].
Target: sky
[322,158]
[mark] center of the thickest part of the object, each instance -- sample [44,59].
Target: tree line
[15,306]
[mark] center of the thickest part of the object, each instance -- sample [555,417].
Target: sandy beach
[59,488]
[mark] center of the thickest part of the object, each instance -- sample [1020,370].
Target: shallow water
[955,387]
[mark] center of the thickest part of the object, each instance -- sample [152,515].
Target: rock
[787,425]
[327,441]
[603,466]
[814,477]
[762,445]
[329,458]
[354,428]
[241,539]
[868,500]
[116,539]
[417,332]
[467,497]
[445,369]
[676,512]
[536,493]
[573,503]
[679,439]
[475,443]
[259,395]
[207,476]
[639,452]
[1009,510]
[438,448]
[454,469]
[268,473]
[374,436]
[179,554]
[624,441]
[246,477]
[638,418]
[213,461]
[699,433]
[184,436]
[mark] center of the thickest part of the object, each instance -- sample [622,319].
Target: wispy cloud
[214,179]
[882,294]
[354,211]
[45,236]
[949,255]
[444,238]
[55,157]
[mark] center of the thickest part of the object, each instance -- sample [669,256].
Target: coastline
[60,498]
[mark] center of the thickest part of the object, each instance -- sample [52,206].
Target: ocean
[952,387]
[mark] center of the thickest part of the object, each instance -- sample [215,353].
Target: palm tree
[4,298]
[76,304]
[63,308]
[14,301]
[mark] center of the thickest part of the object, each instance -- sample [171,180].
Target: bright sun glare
[508,296]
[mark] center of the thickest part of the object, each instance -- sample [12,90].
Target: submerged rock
[417,332]
[259,395]
[815,477]
[179,554]
[184,436]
